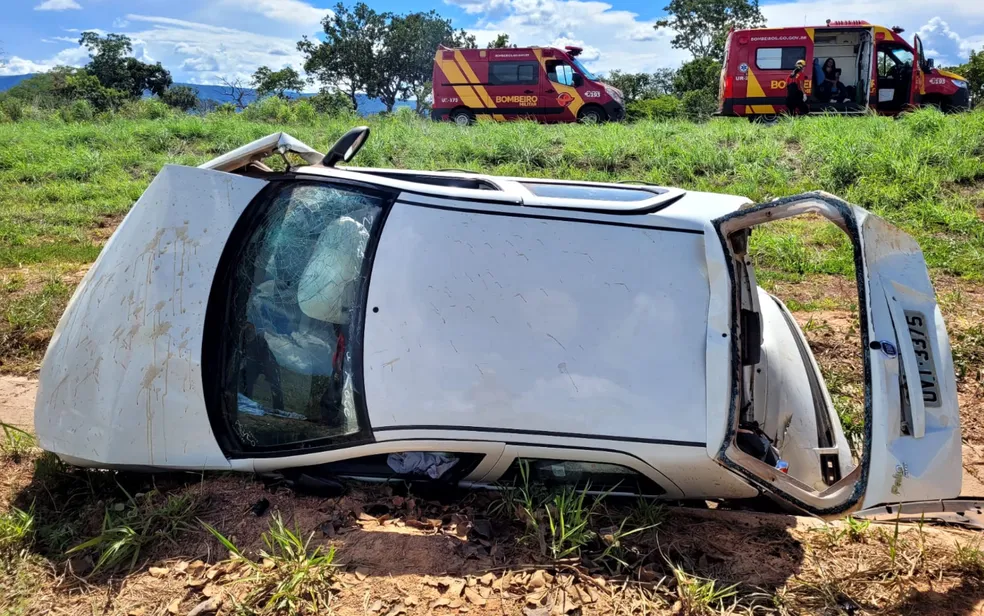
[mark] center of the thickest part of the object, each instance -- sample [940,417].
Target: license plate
[916,322]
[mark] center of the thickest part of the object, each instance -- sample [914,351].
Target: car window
[779,58]
[296,297]
[598,476]
[560,72]
[406,465]
[513,73]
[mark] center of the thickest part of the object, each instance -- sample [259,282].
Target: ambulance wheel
[591,114]
[768,118]
[462,117]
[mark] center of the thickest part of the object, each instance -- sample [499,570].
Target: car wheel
[591,115]
[462,117]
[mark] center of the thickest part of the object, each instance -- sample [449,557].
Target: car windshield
[587,74]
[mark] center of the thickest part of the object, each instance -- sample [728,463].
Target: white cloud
[945,45]
[612,38]
[74,56]
[58,5]
[294,12]
[203,53]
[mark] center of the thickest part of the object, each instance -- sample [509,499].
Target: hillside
[366,106]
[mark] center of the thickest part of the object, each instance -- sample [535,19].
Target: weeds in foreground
[131,527]
[969,559]
[290,577]
[700,596]
[16,528]
[16,443]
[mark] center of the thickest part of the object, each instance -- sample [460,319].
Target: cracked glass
[297,289]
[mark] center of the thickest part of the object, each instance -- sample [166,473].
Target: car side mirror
[931,63]
[347,146]
[578,80]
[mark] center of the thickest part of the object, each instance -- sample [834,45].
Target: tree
[973,72]
[698,74]
[236,90]
[180,97]
[500,42]
[331,103]
[277,83]
[346,58]
[701,26]
[641,86]
[406,62]
[110,63]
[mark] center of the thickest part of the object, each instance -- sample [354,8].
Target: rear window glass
[779,58]
[509,73]
[596,476]
[586,191]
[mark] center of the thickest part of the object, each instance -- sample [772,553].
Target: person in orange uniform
[796,90]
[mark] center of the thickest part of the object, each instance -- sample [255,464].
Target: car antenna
[347,146]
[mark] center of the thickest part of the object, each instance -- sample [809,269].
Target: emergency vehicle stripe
[810,32]
[465,93]
[755,91]
[577,101]
[472,78]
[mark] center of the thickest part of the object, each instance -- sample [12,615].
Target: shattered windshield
[297,288]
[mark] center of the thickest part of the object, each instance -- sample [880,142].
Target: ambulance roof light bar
[847,22]
[573,51]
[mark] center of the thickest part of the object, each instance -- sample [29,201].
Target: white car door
[911,445]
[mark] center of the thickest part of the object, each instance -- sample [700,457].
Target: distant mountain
[367,105]
[9,81]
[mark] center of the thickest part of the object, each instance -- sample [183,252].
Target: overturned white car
[392,324]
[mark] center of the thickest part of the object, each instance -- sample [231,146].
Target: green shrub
[225,109]
[305,112]
[332,103]
[180,97]
[659,108]
[700,104]
[271,109]
[145,109]
[79,111]
[12,108]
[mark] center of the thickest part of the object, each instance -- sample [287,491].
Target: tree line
[389,56]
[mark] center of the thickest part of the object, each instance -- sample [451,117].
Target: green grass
[291,576]
[925,172]
[922,172]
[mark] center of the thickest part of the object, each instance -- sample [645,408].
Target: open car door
[911,437]
[918,83]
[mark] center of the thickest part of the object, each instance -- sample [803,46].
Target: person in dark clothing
[796,90]
[831,89]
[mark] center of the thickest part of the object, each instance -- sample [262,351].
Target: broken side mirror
[347,146]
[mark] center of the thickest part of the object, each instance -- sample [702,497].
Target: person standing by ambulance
[796,90]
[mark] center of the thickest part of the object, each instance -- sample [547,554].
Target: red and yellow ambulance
[538,83]
[875,68]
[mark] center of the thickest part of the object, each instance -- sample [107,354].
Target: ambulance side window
[513,73]
[779,58]
[560,72]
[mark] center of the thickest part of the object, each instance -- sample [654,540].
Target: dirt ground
[445,554]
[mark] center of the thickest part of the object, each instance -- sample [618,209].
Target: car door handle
[551,91]
[527,91]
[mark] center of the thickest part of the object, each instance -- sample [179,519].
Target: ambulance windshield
[587,74]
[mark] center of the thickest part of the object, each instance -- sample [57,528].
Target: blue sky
[206,41]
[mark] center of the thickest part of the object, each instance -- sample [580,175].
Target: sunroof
[589,192]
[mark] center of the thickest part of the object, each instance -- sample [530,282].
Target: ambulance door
[513,88]
[559,98]
[918,84]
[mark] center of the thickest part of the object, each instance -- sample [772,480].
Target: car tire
[591,114]
[462,117]
[768,118]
